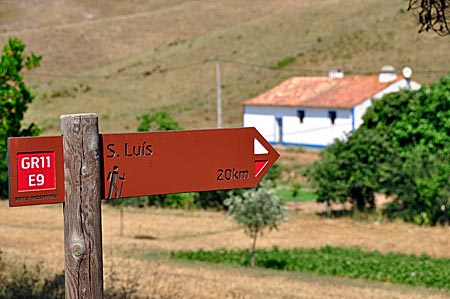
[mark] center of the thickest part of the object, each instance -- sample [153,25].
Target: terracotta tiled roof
[321,92]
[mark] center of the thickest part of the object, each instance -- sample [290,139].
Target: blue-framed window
[332,114]
[301,115]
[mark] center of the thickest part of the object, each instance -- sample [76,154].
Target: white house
[313,111]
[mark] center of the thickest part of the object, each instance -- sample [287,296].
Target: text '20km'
[230,174]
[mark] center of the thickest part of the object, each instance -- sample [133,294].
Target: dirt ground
[35,234]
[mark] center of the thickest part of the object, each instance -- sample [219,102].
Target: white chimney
[337,73]
[387,74]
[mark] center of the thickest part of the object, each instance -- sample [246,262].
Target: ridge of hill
[121,59]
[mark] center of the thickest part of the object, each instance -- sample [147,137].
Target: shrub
[24,282]
[285,62]
[158,121]
[398,268]
[256,210]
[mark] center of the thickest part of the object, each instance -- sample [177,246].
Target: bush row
[345,262]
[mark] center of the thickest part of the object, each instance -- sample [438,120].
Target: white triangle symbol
[258,148]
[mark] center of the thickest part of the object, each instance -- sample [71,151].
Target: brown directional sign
[36,170]
[150,163]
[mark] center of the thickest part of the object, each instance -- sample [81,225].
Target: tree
[158,121]
[15,97]
[350,170]
[255,210]
[420,176]
[420,183]
[401,149]
[433,15]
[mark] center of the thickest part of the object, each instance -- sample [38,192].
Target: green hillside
[121,59]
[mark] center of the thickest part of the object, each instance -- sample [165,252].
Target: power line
[272,68]
[320,71]
[157,69]
[288,69]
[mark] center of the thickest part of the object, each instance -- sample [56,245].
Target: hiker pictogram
[113,176]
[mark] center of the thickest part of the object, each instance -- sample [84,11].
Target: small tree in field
[255,210]
[14,99]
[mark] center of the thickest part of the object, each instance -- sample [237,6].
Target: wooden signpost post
[81,167]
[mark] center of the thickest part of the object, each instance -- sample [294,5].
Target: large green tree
[419,177]
[350,170]
[15,97]
[402,149]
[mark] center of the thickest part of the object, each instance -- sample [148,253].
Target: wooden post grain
[82,207]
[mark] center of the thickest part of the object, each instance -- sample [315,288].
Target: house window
[332,115]
[301,115]
[279,130]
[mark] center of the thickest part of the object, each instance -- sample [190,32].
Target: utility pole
[219,96]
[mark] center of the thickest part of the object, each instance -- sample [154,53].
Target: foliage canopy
[158,121]
[15,97]
[402,149]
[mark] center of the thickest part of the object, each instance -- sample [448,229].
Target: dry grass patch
[147,230]
[196,280]
[33,234]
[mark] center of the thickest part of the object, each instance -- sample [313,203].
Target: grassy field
[299,196]
[121,59]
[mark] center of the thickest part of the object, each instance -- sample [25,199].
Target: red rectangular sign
[36,170]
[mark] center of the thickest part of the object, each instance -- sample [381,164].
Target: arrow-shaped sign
[139,164]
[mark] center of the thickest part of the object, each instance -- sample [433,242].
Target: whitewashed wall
[397,86]
[315,131]
[359,111]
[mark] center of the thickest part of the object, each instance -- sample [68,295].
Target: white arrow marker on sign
[259,149]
